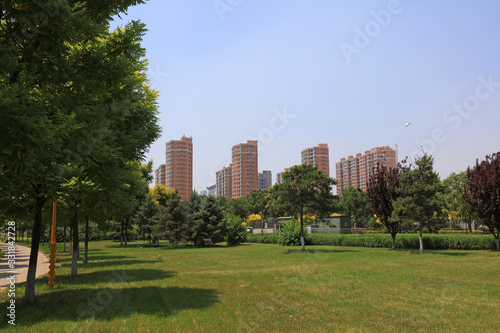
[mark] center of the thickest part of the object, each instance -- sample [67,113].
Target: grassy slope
[268,288]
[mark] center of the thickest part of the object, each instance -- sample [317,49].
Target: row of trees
[414,195]
[76,115]
[200,220]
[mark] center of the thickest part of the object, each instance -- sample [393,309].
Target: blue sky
[294,73]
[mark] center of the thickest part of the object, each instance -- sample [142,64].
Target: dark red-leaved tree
[381,192]
[482,192]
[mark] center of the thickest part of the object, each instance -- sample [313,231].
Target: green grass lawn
[267,288]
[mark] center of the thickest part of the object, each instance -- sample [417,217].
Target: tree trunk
[126,231]
[497,241]
[70,236]
[74,259]
[176,243]
[302,240]
[420,240]
[29,293]
[121,233]
[86,251]
[393,240]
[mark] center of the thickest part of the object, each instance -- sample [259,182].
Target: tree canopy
[304,188]
[382,193]
[75,105]
[482,192]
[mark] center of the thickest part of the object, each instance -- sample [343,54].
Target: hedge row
[403,241]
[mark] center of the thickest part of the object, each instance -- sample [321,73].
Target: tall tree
[354,203]
[482,192]
[305,187]
[418,199]
[208,226]
[70,91]
[381,193]
[173,219]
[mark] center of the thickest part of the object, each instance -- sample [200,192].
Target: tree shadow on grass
[112,276]
[82,306]
[106,263]
[430,252]
[446,253]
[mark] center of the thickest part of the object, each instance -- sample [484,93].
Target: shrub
[262,238]
[403,241]
[290,234]
[236,231]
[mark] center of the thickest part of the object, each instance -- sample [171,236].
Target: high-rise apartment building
[179,165]
[160,174]
[224,183]
[317,156]
[279,176]
[245,168]
[265,180]
[356,170]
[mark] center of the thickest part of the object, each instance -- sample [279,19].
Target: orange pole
[53,246]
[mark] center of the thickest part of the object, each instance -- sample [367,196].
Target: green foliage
[263,238]
[173,220]
[483,193]
[290,234]
[305,189]
[207,226]
[75,107]
[354,203]
[236,231]
[238,207]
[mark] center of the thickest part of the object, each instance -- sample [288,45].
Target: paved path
[22,261]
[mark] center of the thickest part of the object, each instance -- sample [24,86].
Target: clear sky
[295,73]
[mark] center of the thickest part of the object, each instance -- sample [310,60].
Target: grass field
[267,288]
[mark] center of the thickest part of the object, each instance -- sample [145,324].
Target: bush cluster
[406,241]
[290,234]
[263,238]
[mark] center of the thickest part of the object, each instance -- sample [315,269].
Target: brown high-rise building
[317,156]
[160,175]
[245,175]
[356,170]
[224,183]
[179,165]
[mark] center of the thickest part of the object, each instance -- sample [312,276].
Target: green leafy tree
[482,192]
[457,208]
[208,226]
[418,199]
[239,207]
[355,204]
[236,231]
[173,219]
[382,193]
[292,234]
[71,92]
[304,188]
[258,201]
[146,217]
